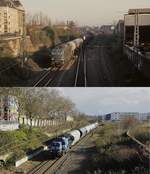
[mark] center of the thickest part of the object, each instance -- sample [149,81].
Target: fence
[6,125]
[140,61]
[39,122]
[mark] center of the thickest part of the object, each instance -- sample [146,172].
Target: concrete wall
[10,47]
[38,122]
[143,20]
[8,125]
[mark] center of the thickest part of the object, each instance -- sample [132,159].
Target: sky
[94,101]
[85,12]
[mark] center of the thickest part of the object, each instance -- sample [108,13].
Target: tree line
[43,103]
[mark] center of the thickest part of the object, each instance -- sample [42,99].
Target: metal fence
[140,61]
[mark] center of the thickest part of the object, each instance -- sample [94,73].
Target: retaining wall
[38,122]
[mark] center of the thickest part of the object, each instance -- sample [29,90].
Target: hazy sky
[105,100]
[93,12]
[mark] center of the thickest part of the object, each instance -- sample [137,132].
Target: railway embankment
[19,146]
[21,143]
[116,153]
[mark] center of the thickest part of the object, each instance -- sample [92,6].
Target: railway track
[46,78]
[8,67]
[53,166]
[43,167]
[81,71]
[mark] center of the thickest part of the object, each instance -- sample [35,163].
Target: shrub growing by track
[116,153]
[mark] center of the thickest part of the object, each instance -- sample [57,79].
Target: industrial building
[137,39]
[107,29]
[12,17]
[119,29]
[117,116]
[137,27]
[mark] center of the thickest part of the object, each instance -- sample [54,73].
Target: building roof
[18,4]
[12,4]
[8,3]
[140,11]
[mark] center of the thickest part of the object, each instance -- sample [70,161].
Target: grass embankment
[18,143]
[26,140]
[142,133]
[115,153]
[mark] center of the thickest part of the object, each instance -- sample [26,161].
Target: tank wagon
[62,144]
[65,52]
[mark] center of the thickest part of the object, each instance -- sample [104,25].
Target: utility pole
[136,29]
[136,37]
[23,42]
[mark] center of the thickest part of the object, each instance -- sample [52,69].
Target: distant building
[144,116]
[137,27]
[119,29]
[12,17]
[69,119]
[107,29]
[117,116]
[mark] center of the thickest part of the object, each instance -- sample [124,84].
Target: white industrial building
[136,26]
[117,116]
[69,118]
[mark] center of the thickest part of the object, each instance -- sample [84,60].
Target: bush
[115,153]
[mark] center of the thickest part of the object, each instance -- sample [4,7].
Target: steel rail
[58,164]
[85,68]
[51,167]
[38,167]
[81,55]
[53,72]
[44,76]
[43,167]
[77,71]
[8,67]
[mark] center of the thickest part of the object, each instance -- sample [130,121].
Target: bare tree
[128,122]
[38,19]
[41,102]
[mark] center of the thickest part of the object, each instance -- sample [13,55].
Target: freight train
[64,52]
[62,144]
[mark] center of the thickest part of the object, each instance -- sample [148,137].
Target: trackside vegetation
[116,153]
[26,140]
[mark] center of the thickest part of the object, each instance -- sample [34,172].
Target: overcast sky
[106,100]
[91,12]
